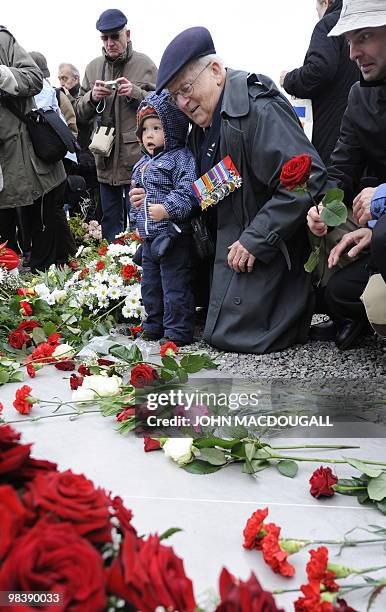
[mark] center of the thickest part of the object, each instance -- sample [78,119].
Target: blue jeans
[166,288]
[115,209]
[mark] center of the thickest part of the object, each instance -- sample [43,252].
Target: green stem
[50,416]
[330,446]
[321,460]
[108,311]
[338,542]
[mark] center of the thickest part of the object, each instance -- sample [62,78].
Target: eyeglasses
[187,89]
[114,36]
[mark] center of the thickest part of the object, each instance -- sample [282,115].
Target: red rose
[135,330]
[129,271]
[147,575]
[84,370]
[143,375]
[105,362]
[26,308]
[71,497]
[18,338]
[296,172]
[100,265]
[252,530]
[322,481]
[13,516]
[54,338]
[125,414]
[239,596]
[21,402]
[169,348]
[22,291]
[1,407]
[8,258]
[73,264]
[75,381]
[123,515]
[28,325]
[53,557]
[16,465]
[150,444]
[67,365]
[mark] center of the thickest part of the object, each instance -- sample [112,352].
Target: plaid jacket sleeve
[181,200]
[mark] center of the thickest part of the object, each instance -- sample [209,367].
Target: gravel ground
[314,360]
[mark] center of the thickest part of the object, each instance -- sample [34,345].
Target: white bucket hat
[358,14]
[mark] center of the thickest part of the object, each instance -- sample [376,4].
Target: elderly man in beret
[260,298]
[113,86]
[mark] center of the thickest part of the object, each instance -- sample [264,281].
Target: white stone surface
[211,510]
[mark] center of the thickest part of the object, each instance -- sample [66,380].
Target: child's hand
[157,212]
[136,195]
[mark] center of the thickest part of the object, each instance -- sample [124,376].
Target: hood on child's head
[175,124]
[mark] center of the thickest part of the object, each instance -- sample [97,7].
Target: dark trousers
[51,238]
[345,287]
[115,206]
[166,288]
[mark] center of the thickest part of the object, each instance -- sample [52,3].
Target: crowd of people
[144,136]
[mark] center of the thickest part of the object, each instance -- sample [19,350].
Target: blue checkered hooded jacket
[168,176]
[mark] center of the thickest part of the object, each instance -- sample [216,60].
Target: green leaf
[201,467]
[182,375]
[4,377]
[41,308]
[38,335]
[210,442]
[49,328]
[362,497]
[377,487]
[312,260]
[332,195]
[128,355]
[250,449]
[288,468]
[170,363]
[193,363]
[382,506]
[86,324]
[362,467]
[167,374]
[255,465]
[335,213]
[169,532]
[17,376]
[213,456]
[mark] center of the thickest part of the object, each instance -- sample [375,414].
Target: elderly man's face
[115,43]
[196,91]
[66,78]
[368,49]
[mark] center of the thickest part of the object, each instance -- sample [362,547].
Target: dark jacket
[326,78]
[269,308]
[167,177]
[361,146]
[141,71]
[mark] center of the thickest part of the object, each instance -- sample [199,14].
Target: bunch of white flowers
[93,230]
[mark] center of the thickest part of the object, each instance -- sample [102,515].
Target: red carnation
[143,375]
[28,325]
[254,529]
[129,271]
[73,264]
[8,258]
[273,555]
[54,338]
[125,414]
[296,172]
[26,308]
[75,381]
[169,348]
[135,330]
[102,250]
[31,370]
[150,444]
[66,365]
[84,273]
[105,362]
[22,401]
[43,352]
[317,569]
[322,481]
[84,370]
[19,338]
[100,265]
[239,596]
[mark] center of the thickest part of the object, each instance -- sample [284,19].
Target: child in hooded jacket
[166,171]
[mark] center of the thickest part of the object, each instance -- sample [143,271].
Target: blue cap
[111,20]
[187,46]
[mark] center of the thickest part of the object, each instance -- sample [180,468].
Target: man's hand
[136,195]
[282,77]
[158,212]
[316,225]
[100,91]
[239,259]
[361,238]
[361,206]
[125,87]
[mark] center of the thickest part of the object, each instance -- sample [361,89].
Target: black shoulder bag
[50,136]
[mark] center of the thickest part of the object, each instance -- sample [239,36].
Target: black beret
[111,20]
[185,47]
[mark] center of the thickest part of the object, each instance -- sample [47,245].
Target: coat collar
[235,101]
[122,59]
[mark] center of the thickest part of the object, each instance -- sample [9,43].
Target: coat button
[237,300]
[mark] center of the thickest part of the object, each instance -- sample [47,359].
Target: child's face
[152,134]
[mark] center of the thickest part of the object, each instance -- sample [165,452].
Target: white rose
[82,395]
[59,295]
[103,386]
[179,449]
[63,350]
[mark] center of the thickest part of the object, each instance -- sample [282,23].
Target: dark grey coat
[270,308]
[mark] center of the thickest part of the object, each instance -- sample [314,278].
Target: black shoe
[176,342]
[149,336]
[326,330]
[348,334]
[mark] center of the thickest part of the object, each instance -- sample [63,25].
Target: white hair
[74,71]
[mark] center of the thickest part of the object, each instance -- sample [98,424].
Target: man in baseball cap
[360,151]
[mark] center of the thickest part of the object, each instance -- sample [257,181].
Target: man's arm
[20,75]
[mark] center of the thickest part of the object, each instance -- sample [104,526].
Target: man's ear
[128,35]
[217,71]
